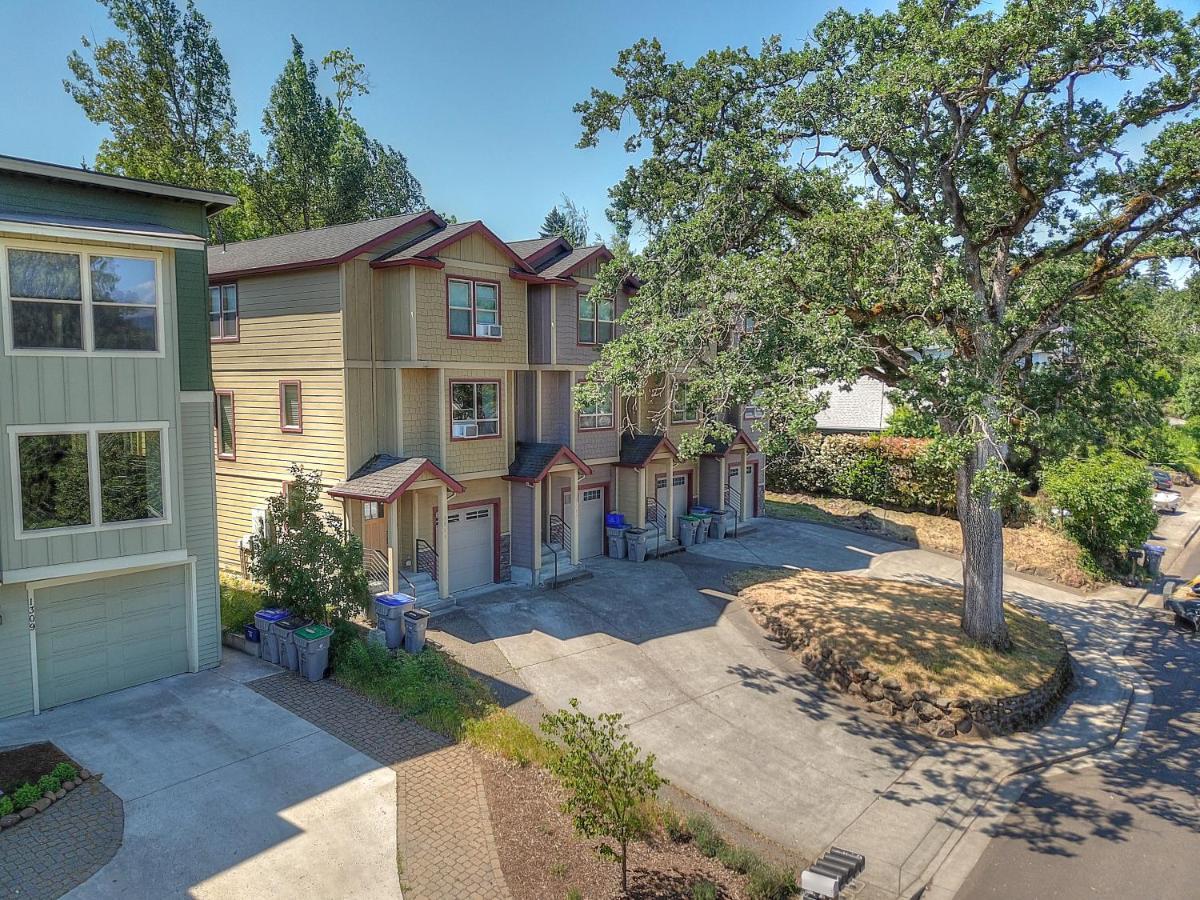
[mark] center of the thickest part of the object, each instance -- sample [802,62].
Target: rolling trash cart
[263,621]
[415,622]
[389,613]
[616,541]
[283,630]
[636,539]
[312,650]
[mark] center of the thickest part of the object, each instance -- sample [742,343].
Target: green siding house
[108,573]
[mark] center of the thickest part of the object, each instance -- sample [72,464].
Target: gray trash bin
[415,622]
[283,631]
[635,539]
[389,613]
[685,527]
[716,528]
[1154,558]
[264,619]
[703,516]
[312,649]
[616,541]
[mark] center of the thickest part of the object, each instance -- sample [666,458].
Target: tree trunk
[983,554]
[624,867]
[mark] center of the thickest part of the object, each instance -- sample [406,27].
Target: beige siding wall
[433,344]
[627,480]
[391,313]
[357,319]
[360,420]
[421,414]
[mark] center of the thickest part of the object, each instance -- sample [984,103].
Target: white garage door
[680,487]
[591,521]
[99,636]
[471,547]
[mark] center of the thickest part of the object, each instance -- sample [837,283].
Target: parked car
[1166,501]
[1193,586]
[1162,480]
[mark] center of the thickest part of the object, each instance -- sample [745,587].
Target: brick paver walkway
[443,829]
[64,846]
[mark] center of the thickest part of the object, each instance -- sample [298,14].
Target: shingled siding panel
[191,280]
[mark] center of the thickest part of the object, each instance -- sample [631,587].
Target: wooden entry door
[375,532]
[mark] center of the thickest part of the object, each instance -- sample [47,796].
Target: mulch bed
[29,763]
[541,855]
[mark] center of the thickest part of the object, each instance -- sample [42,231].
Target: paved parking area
[226,794]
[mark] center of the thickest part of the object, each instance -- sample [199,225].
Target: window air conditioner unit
[489,331]
[466,430]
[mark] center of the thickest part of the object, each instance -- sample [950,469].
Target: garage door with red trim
[472,547]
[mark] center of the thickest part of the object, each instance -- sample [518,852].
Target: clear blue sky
[477,94]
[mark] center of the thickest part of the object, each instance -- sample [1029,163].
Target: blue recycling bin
[614,520]
[263,620]
[389,613]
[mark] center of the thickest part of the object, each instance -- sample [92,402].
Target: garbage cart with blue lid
[263,619]
[312,650]
[415,621]
[283,629]
[389,612]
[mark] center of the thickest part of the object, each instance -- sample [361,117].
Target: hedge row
[894,471]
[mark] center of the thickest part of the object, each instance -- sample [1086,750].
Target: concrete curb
[943,878]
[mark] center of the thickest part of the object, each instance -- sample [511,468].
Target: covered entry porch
[382,503]
[551,531]
[729,477]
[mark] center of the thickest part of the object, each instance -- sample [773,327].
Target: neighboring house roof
[81,227]
[317,247]
[722,449]
[639,449]
[384,477]
[214,201]
[862,406]
[424,250]
[564,266]
[529,249]
[534,460]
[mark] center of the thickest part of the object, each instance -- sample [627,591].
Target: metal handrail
[554,553]
[378,563]
[564,531]
[653,507]
[736,495]
[430,569]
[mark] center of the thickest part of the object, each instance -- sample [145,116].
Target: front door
[375,532]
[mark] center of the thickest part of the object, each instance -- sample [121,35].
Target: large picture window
[223,312]
[473,309]
[595,319]
[62,301]
[92,476]
[475,409]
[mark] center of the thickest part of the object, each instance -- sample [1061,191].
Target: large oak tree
[923,196]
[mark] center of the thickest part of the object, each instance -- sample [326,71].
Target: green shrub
[1107,497]
[25,795]
[704,890]
[48,784]
[65,772]
[240,600]
[910,423]
[766,881]
[674,825]
[6,806]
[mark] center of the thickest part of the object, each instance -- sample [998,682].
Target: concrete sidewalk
[742,726]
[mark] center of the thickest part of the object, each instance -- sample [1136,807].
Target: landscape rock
[68,785]
[28,812]
[911,717]
[926,710]
[59,794]
[891,684]
[964,726]
[872,691]
[49,795]
[84,774]
[9,821]
[942,728]
[41,805]
[855,688]
[883,707]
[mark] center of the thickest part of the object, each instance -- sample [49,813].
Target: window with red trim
[291,407]
[595,319]
[475,409]
[473,308]
[598,415]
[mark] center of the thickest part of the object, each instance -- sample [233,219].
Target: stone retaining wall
[941,716]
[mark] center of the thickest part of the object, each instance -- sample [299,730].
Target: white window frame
[498,418]
[224,338]
[679,411]
[596,415]
[92,430]
[87,325]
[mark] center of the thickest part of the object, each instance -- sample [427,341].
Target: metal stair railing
[656,518]
[733,500]
[380,568]
[560,531]
[427,559]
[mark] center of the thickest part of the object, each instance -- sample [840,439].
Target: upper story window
[291,407]
[683,410]
[223,312]
[597,415]
[226,425]
[473,309]
[61,300]
[90,476]
[475,409]
[595,319]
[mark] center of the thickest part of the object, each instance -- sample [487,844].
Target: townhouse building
[108,571]
[427,369]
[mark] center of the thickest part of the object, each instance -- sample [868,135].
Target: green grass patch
[240,600]
[504,734]
[805,512]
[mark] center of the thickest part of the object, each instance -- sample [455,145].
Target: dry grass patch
[1032,549]
[906,631]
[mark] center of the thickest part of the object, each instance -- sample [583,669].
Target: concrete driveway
[227,794]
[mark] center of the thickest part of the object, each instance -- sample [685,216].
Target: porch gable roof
[534,460]
[739,438]
[384,477]
[639,449]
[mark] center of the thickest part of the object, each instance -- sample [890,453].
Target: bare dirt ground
[1031,549]
[542,857]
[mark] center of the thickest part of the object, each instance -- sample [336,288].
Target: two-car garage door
[103,635]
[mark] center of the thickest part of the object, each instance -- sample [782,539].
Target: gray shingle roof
[562,266]
[304,247]
[533,459]
[383,476]
[637,449]
[526,249]
[425,243]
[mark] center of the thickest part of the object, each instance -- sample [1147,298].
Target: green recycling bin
[312,650]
